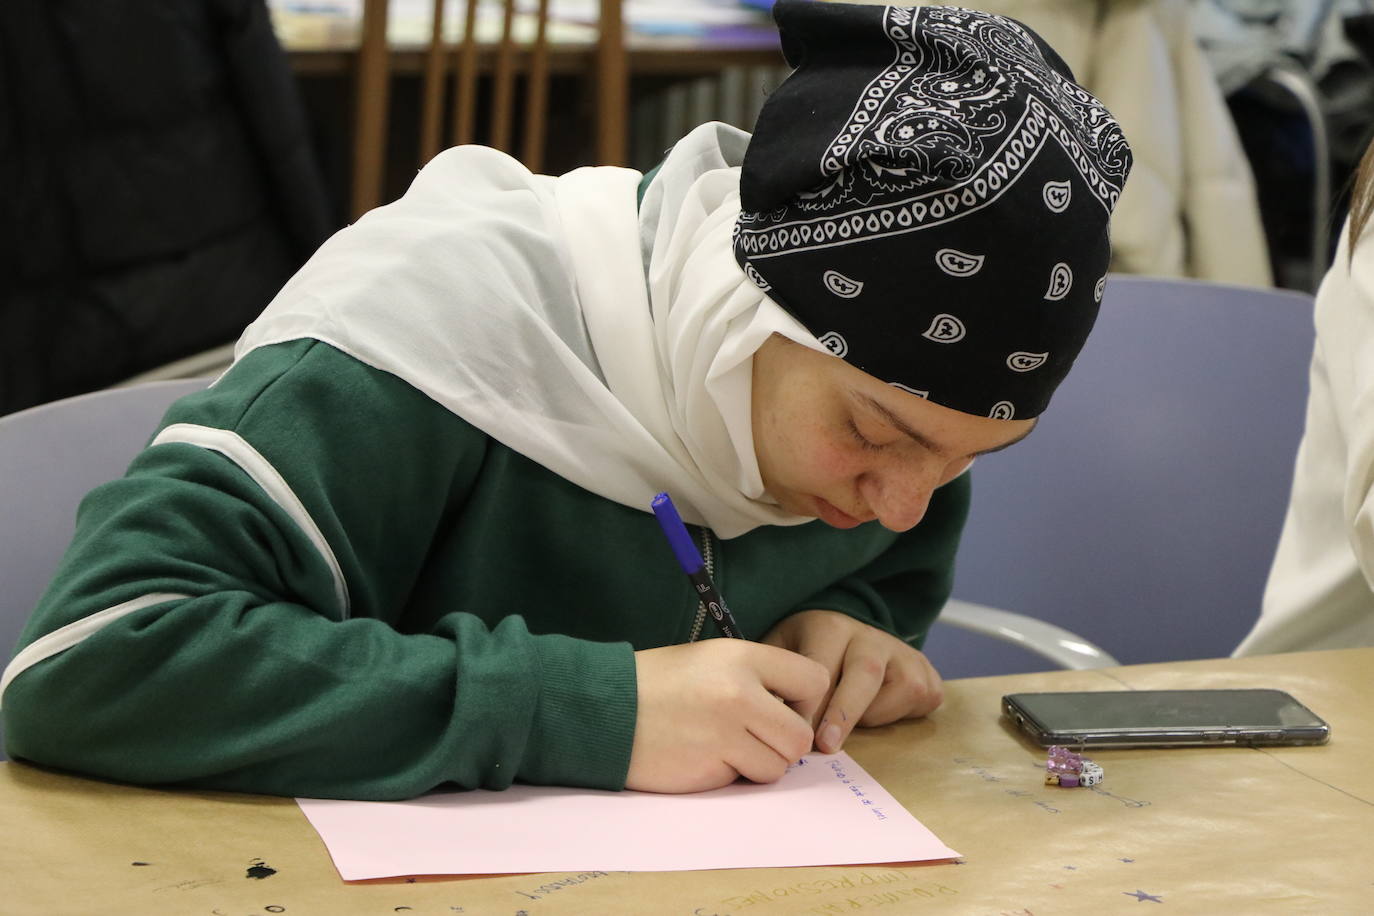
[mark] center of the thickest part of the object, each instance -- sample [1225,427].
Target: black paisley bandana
[929,193]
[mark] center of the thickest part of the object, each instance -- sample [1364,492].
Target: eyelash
[864,442]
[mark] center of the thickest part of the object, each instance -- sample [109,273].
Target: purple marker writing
[690,559]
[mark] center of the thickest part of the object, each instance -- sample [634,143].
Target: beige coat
[1189,208]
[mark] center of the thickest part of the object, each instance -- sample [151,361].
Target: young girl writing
[405,541]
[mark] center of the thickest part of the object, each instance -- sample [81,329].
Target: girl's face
[836,443]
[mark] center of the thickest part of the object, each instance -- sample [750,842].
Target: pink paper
[825,811]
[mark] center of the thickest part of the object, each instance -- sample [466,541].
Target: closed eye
[864,442]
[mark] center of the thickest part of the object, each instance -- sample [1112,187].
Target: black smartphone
[1163,718]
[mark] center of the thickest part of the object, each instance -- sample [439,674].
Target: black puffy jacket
[157,185]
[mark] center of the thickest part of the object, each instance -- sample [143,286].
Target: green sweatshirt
[317,581]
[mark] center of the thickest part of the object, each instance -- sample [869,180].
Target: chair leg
[373,89]
[612,86]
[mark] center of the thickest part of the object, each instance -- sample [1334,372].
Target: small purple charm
[1065,768]
[1063,760]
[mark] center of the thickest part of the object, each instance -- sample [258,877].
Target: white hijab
[519,302]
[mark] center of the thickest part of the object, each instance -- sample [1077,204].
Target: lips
[833,516]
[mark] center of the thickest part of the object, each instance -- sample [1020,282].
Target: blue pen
[690,558]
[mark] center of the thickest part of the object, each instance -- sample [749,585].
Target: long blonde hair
[1362,197]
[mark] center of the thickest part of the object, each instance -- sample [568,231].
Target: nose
[899,497]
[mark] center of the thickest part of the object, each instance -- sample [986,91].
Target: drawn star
[1141,896]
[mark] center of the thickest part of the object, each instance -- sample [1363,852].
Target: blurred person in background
[158,186]
[1320,593]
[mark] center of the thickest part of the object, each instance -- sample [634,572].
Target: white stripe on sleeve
[250,460]
[64,638]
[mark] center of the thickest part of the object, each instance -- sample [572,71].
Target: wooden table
[1206,831]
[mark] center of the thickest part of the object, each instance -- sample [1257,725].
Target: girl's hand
[875,678]
[710,712]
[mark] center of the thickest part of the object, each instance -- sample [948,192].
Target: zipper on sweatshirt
[709,558]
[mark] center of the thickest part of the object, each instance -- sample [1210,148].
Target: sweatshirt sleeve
[903,589]
[231,613]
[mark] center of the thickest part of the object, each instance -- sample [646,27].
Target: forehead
[939,428]
[930,424]
[801,366]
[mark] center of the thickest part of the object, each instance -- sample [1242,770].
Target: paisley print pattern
[941,131]
[930,191]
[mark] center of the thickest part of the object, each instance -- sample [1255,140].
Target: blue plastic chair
[51,456]
[1142,514]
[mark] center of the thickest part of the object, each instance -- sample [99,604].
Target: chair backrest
[610,76]
[50,457]
[1144,510]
